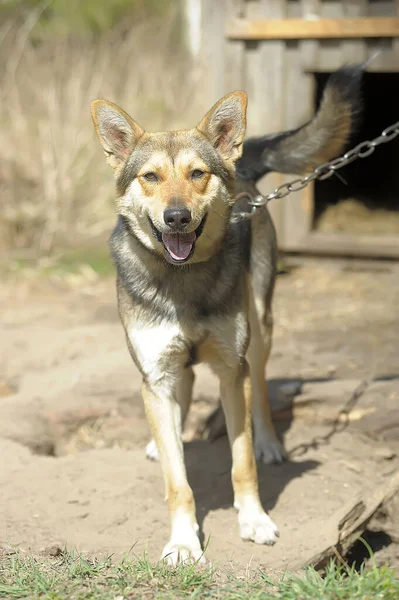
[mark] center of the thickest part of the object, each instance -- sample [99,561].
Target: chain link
[321,172]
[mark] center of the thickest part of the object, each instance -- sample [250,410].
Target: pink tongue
[179,244]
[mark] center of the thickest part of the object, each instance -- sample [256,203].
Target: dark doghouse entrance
[364,198]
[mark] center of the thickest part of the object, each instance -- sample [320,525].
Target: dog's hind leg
[185,393]
[164,415]
[267,446]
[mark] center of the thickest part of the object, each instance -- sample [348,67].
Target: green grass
[97,258]
[83,16]
[73,576]
[75,262]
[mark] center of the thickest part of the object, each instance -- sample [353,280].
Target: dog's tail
[299,151]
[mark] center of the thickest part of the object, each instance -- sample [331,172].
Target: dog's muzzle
[178,246]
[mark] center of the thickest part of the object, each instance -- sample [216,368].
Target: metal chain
[320,173]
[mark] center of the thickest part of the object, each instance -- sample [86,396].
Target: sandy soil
[73,430]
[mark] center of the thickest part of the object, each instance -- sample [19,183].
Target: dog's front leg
[164,415]
[185,392]
[235,388]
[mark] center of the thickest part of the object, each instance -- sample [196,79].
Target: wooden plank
[265,80]
[311,9]
[234,70]
[294,10]
[347,525]
[295,29]
[299,108]
[310,58]
[382,8]
[380,48]
[328,54]
[354,50]
[211,56]
[264,73]
[330,49]
[340,244]
[395,43]
[389,63]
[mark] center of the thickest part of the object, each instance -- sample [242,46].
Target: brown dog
[196,285]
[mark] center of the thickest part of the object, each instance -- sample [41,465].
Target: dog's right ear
[117,132]
[224,125]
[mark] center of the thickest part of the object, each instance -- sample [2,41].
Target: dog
[195,284]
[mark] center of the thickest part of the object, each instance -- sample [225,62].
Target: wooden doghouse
[281,52]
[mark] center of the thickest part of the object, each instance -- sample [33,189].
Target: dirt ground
[73,430]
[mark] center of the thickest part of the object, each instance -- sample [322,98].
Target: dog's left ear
[224,125]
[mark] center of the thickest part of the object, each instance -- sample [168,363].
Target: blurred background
[56,57]
[166,63]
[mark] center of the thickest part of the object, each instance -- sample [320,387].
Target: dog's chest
[168,345]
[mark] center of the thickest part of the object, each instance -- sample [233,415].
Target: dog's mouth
[179,247]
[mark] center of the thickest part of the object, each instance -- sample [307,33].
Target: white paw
[177,553]
[259,528]
[151,450]
[268,449]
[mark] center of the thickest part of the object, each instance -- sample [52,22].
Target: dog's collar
[246,205]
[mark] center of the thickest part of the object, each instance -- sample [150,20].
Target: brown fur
[211,305]
[175,314]
[322,139]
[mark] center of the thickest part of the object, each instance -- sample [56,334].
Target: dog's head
[175,188]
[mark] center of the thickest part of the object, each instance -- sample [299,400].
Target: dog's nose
[177,218]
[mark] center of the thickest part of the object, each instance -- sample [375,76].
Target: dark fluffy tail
[300,150]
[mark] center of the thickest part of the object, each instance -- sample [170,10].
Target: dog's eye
[197,174]
[150,176]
